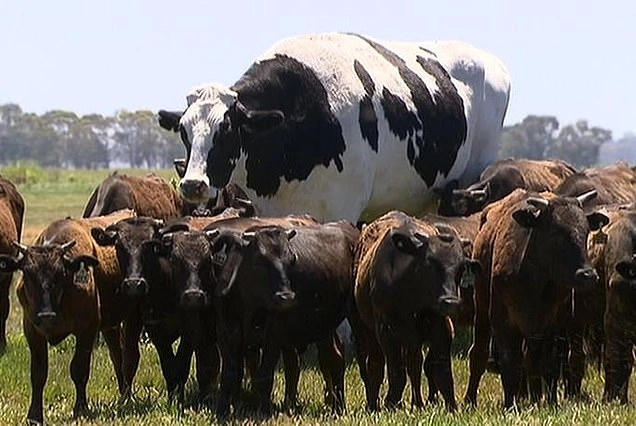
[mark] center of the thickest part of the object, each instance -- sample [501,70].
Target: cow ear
[528,217]
[627,269]
[104,237]
[597,220]
[169,120]
[9,264]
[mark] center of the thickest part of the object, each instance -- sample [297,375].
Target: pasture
[58,194]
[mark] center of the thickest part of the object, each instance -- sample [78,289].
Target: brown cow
[533,250]
[407,278]
[154,197]
[11,216]
[68,287]
[614,184]
[500,179]
[611,307]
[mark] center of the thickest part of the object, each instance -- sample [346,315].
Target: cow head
[212,128]
[47,273]
[191,264]
[560,228]
[463,202]
[255,262]
[131,240]
[433,263]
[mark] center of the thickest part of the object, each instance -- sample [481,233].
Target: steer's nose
[193,299]
[135,286]
[47,319]
[449,304]
[193,190]
[284,299]
[586,276]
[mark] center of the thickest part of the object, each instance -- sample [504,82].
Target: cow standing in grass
[343,126]
[11,217]
[408,274]
[69,286]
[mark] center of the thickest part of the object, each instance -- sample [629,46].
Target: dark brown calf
[68,287]
[407,278]
[533,250]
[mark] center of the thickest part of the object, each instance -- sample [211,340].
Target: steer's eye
[184,135]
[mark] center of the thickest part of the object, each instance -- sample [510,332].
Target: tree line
[134,139]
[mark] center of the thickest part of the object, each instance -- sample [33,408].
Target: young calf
[408,274]
[67,287]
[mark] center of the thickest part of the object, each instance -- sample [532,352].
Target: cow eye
[184,136]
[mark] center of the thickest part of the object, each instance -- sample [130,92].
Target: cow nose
[47,319]
[193,298]
[586,276]
[193,189]
[449,304]
[135,286]
[284,299]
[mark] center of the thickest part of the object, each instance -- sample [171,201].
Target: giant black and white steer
[342,126]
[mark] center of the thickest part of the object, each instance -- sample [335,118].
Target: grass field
[63,193]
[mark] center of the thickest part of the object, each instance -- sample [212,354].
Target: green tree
[579,144]
[530,138]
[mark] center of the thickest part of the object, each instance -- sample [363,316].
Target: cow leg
[440,360]
[533,367]
[396,370]
[360,335]
[80,370]
[575,369]
[619,359]
[509,342]
[163,345]
[414,360]
[39,370]
[332,364]
[182,360]
[130,359]
[265,377]
[5,283]
[230,343]
[478,357]
[205,355]
[112,336]
[375,371]
[291,362]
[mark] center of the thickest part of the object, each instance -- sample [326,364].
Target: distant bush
[22,173]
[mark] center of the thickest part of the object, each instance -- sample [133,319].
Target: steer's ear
[104,237]
[527,217]
[597,220]
[169,120]
[9,264]
[627,269]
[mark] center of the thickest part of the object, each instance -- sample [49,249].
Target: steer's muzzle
[284,299]
[194,190]
[449,305]
[193,299]
[586,277]
[46,319]
[135,286]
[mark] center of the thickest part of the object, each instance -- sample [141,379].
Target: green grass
[64,193]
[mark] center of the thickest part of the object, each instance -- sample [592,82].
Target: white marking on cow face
[207,106]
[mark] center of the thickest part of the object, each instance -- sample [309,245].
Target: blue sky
[571,59]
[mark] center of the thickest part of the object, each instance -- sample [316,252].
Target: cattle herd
[537,256]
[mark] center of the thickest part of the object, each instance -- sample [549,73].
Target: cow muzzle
[586,277]
[194,190]
[46,319]
[284,299]
[135,286]
[193,299]
[449,305]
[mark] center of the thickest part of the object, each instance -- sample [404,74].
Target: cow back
[614,184]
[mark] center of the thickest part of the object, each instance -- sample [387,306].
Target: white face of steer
[198,125]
